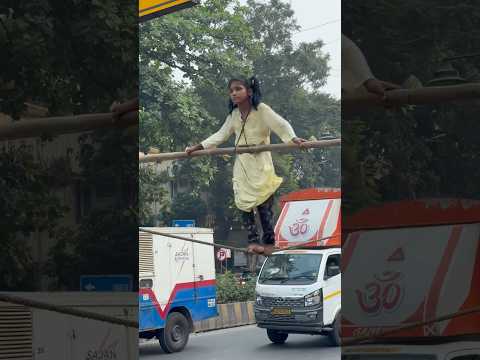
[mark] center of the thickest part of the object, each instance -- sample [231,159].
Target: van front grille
[283,302]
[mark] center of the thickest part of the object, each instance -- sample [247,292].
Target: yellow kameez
[254,178]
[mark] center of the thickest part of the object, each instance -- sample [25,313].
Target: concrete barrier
[229,315]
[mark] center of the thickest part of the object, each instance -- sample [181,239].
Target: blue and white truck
[177,284]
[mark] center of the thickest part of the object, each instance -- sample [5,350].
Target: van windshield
[288,269]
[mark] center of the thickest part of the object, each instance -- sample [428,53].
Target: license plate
[281,311]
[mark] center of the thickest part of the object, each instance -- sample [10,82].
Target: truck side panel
[418,274]
[204,270]
[184,277]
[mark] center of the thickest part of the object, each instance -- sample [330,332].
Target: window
[291,269]
[332,268]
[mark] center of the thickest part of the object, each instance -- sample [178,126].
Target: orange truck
[407,263]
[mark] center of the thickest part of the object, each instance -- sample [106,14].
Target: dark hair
[250,83]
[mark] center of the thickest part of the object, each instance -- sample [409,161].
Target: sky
[320,20]
[322,17]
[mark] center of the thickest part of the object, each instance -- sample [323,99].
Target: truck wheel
[335,336]
[174,336]
[276,336]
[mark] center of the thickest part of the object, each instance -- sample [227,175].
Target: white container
[177,284]
[45,335]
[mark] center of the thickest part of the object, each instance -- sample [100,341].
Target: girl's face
[238,92]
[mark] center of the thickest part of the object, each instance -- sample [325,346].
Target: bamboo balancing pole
[65,124]
[420,96]
[241,150]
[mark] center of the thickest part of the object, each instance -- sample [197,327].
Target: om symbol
[300,227]
[382,294]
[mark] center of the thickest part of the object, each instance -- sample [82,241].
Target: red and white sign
[224,254]
[411,275]
[308,220]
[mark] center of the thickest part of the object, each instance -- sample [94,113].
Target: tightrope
[216,245]
[12,299]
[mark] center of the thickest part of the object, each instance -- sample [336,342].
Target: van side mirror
[333,270]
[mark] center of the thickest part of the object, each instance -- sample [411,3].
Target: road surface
[244,343]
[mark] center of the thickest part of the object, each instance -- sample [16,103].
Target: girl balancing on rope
[254,178]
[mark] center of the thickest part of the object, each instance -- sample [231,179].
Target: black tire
[277,337]
[335,336]
[174,337]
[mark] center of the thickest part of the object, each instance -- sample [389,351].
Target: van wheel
[276,336]
[335,336]
[174,336]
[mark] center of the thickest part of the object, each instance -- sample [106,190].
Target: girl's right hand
[190,149]
[379,87]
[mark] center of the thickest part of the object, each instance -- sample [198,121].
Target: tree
[421,151]
[61,53]
[71,57]
[28,205]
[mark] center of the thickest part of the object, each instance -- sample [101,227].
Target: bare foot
[255,249]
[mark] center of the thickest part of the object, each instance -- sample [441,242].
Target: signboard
[414,277]
[150,9]
[183,223]
[306,221]
[108,283]
[224,254]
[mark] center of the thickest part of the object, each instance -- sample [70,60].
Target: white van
[298,291]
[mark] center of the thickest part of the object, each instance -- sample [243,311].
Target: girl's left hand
[298,141]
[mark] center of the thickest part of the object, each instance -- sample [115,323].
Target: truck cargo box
[30,333]
[409,262]
[307,217]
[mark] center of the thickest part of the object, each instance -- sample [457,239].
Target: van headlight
[315,298]
[258,299]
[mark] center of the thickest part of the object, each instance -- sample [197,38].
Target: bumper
[301,320]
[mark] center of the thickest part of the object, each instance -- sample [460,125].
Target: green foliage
[188,206]
[71,57]
[152,196]
[108,164]
[28,205]
[229,290]
[88,249]
[419,151]
[61,53]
